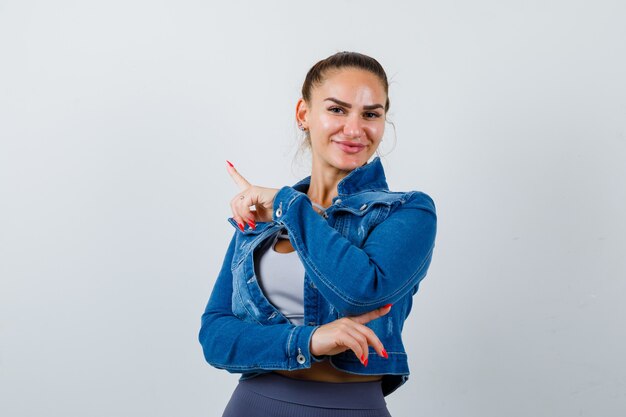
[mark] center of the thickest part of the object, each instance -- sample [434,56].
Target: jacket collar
[370,176]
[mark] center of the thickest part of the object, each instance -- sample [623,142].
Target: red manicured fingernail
[387,305]
[366,360]
[240,226]
[385,354]
[252,224]
[362,358]
[230,163]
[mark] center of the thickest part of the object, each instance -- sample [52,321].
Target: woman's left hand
[261,198]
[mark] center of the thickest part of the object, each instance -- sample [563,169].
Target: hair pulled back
[341,60]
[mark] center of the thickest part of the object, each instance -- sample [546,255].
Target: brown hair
[340,60]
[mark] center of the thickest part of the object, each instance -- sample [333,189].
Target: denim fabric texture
[371,247]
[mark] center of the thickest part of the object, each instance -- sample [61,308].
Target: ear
[302,111]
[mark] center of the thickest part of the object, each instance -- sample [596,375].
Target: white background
[116,119]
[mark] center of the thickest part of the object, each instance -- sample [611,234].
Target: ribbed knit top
[281,278]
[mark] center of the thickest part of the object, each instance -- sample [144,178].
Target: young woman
[302,306]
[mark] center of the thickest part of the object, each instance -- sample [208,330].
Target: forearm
[392,261]
[237,345]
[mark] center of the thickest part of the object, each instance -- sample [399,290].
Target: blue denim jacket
[371,247]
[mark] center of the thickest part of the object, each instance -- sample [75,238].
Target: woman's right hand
[349,333]
[262,198]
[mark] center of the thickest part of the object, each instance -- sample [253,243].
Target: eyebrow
[343,103]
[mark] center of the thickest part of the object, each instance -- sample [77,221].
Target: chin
[348,163]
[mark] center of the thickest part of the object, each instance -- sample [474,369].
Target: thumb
[372,315]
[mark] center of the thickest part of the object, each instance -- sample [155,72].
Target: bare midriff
[325,372]
[322,371]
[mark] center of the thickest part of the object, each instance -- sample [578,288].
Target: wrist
[315,358]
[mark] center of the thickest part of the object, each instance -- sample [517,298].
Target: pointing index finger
[237,177]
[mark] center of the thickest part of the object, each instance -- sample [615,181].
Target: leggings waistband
[355,395]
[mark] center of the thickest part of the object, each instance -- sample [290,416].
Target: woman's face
[345,118]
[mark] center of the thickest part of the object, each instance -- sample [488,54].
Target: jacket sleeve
[239,346]
[393,260]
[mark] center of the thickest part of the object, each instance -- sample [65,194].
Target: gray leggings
[275,395]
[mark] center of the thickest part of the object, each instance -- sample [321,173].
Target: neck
[324,180]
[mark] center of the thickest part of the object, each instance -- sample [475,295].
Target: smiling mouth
[350,147]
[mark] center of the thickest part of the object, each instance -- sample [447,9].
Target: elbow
[367,298]
[213,353]
[207,336]
[204,337]
[212,329]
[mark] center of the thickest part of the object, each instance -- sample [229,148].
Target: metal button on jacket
[300,358]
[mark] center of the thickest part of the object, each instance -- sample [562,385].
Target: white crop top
[281,277]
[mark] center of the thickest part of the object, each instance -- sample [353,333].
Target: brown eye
[372,115]
[335,108]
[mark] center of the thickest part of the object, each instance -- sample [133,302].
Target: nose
[353,127]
